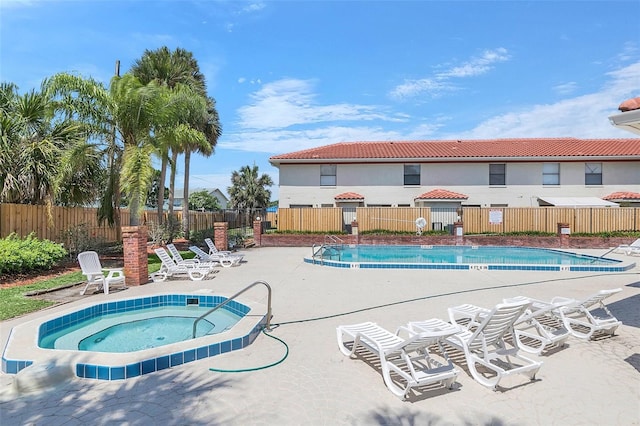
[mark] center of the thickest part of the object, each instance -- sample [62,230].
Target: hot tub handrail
[215,308]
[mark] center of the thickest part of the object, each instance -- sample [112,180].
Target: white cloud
[279,141]
[254,7]
[18,3]
[411,88]
[290,102]
[440,83]
[566,88]
[284,116]
[584,116]
[476,66]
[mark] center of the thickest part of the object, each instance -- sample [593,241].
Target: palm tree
[91,103]
[38,151]
[121,120]
[169,69]
[209,124]
[248,191]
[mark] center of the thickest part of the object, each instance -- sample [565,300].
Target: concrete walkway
[586,383]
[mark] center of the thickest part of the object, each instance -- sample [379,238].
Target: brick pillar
[221,235]
[257,232]
[136,262]
[563,232]
[458,233]
[354,231]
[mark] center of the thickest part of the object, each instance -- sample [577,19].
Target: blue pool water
[132,331]
[92,364]
[462,257]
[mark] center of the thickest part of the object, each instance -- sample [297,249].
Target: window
[593,173]
[328,175]
[412,174]
[551,174]
[497,174]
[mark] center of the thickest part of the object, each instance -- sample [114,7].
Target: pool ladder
[331,243]
[215,308]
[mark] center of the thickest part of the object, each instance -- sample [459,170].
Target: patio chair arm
[114,272]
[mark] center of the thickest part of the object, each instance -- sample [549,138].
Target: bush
[197,237]
[79,239]
[29,254]
[166,232]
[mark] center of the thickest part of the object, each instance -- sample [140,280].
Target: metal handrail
[333,239]
[215,308]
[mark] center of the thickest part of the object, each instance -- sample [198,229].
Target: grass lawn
[14,302]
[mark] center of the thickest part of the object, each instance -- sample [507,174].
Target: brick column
[221,235]
[458,233]
[257,232]
[136,262]
[354,231]
[563,232]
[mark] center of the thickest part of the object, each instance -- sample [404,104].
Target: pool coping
[479,266]
[22,349]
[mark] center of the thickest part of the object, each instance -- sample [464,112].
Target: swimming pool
[139,329]
[33,342]
[462,258]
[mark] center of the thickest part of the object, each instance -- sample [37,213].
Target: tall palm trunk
[185,203]
[172,181]
[163,176]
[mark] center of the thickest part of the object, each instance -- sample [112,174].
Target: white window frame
[592,170]
[328,175]
[493,174]
[551,174]
[410,175]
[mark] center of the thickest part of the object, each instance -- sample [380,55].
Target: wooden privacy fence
[23,219]
[476,220]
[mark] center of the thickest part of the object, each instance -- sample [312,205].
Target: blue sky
[291,75]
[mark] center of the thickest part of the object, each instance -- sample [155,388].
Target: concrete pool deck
[587,382]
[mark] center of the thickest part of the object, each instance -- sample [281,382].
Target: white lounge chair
[179,260]
[91,267]
[536,330]
[213,249]
[632,249]
[222,259]
[171,269]
[582,321]
[405,363]
[539,328]
[484,344]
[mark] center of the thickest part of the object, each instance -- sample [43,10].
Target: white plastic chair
[179,260]
[539,328]
[484,344]
[170,269]
[222,259]
[213,249]
[90,265]
[405,363]
[583,320]
[629,249]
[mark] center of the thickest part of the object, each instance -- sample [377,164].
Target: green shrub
[29,254]
[166,232]
[197,237]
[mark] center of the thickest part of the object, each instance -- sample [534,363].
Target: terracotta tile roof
[466,149]
[442,194]
[622,196]
[630,104]
[349,196]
